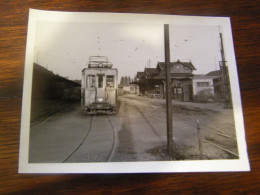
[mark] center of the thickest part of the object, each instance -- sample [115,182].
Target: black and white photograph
[124,93]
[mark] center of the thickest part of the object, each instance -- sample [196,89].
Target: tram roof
[100,65]
[99,62]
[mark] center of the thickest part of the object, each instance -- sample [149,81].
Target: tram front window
[91,81]
[100,81]
[110,81]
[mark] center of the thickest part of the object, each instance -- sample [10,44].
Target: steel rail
[84,138]
[214,127]
[218,146]
[114,141]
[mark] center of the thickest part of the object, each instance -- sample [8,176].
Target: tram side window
[110,81]
[100,81]
[91,81]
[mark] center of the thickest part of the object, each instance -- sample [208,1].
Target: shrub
[205,95]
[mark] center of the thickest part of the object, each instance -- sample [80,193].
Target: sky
[64,48]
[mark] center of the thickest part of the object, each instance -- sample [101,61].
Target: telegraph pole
[168,89]
[149,63]
[224,77]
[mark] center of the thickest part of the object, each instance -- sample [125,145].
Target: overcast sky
[65,48]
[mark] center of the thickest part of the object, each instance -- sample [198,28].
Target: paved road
[141,125]
[54,139]
[140,137]
[136,133]
[98,143]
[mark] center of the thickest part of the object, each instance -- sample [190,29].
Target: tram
[99,86]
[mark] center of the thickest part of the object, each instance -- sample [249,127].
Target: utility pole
[168,89]
[224,77]
[149,63]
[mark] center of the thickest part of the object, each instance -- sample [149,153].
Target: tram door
[100,86]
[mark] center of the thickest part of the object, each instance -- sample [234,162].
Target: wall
[181,69]
[197,89]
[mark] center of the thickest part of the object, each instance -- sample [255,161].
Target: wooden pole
[168,89]
[199,140]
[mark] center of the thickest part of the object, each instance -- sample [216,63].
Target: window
[202,84]
[100,81]
[91,81]
[110,81]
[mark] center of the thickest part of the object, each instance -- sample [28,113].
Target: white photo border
[241,164]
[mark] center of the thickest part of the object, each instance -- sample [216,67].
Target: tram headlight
[100,100]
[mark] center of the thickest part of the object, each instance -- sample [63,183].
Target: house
[152,80]
[202,82]
[203,88]
[217,84]
[140,82]
[127,87]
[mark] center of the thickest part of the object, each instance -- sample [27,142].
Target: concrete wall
[197,89]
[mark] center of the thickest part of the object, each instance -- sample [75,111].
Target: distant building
[120,89]
[221,87]
[152,80]
[129,89]
[216,77]
[126,87]
[140,81]
[202,82]
[185,86]
[203,88]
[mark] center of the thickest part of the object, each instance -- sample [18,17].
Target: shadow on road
[125,150]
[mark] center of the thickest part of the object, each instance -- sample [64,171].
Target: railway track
[94,146]
[114,141]
[216,131]
[210,129]
[98,143]
[147,120]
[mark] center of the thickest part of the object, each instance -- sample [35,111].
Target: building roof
[174,75]
[214,73]
[150,71]
[140,74]
[161,65]
[201,76]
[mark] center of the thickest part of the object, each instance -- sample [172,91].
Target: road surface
[137,133]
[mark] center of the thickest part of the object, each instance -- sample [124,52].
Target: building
[216,77]
[185,86]
[152,80]
[140,81]
[127,87]
[203,88]
[221,85]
